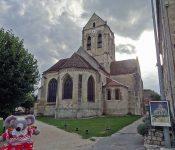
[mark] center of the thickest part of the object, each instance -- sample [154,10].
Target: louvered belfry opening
[52,90]
[91,89]
[89,43]
[67,88]
[99,41]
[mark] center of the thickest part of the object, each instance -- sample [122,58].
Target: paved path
[125,139]
[52,138]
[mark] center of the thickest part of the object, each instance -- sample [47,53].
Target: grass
[92,127]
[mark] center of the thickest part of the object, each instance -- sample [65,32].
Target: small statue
[18,134]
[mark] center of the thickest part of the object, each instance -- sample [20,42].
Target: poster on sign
[159,112]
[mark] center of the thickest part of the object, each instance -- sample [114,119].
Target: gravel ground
[52,138]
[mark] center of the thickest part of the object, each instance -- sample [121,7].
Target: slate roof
[75,61]
[123,67]
[93,59]
[110,82]
[56,66]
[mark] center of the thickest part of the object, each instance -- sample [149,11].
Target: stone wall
[135,95]
[116,106]
[154,137]
[71,107]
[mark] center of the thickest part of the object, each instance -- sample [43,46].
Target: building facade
[165,14]
[91,82]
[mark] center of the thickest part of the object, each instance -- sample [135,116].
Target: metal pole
[160,74]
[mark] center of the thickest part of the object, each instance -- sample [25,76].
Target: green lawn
[97,127]
[1,127]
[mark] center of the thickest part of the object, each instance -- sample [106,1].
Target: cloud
[48,35]
[151,81]
[51,29]
[126,48]
[128,18]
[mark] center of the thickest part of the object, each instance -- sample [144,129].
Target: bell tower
[98,41]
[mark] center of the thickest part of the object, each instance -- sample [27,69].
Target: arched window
[67,88]
[52,90]
[89,43]
[117,94]
[99,41]
[108,94]
[91,89]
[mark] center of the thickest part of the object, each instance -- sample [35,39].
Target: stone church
[91,82]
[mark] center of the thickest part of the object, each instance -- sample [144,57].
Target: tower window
[89,43]
[94,24]
[99,41]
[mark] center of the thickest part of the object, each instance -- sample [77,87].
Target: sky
[52,29]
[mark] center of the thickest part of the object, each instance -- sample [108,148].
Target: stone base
[151,147]
[44,110]
[76,113]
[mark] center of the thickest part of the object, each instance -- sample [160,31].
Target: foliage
[97,127]
[155,96]
[143,128]
[28,101]
[18,72]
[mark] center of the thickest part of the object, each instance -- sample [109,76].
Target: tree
[18,72]
[155,96]
[28,103]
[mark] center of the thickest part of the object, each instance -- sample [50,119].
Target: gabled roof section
[111,83]
[80,59]
[92,61]
[123,67]
[94,18]
[76,61]
[57,66]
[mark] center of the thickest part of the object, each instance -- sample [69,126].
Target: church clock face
[93,31]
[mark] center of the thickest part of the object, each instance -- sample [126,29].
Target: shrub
[143,128]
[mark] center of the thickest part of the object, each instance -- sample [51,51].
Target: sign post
[159,113]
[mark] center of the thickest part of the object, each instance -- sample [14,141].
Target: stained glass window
[52,90]
[67,88]
[91,89]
